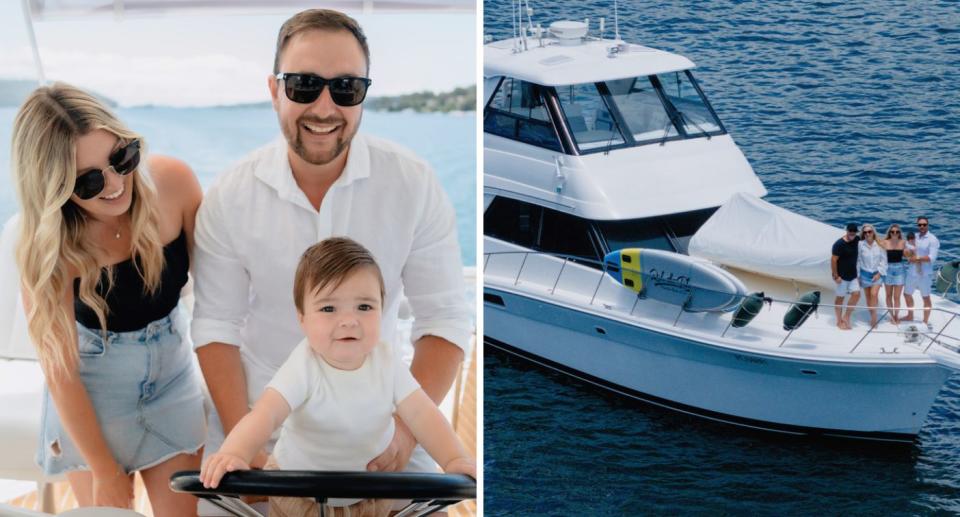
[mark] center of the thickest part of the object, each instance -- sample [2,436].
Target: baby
[341,366]
[911,250]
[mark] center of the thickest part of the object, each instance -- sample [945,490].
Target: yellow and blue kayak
[697,285]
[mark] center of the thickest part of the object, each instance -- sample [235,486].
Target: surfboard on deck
[697,285]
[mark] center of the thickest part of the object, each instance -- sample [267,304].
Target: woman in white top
[872,263]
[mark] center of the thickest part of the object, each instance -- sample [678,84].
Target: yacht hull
[884,402]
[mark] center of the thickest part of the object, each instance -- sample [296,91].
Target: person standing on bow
[927,248]
[893,281]
[104,250]
[843,263]
[872,264]
[323,179]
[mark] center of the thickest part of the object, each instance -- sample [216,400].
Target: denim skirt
[146,394]
[896,273]
[866,278]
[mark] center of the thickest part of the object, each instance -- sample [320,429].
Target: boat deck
[565,282]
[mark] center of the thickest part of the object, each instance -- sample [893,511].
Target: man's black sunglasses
[123,161]
[306,88]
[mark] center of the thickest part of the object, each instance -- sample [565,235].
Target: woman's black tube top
[894,256]
[131,308]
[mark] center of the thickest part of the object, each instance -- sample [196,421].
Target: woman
[103,255]
[872,263]
[894,245]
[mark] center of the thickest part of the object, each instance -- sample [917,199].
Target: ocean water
[848,111]
[210,139]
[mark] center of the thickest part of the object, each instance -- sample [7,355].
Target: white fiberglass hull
[877,401]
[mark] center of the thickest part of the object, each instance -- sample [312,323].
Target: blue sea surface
[848,111]
[210,139]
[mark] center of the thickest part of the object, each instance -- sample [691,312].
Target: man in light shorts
[927,248]
[843,264]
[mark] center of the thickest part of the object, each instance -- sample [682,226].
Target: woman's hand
[876,276]
[219,464]
[115,489]
[461,465]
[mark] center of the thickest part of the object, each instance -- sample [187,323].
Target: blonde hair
[330,261]
[52,246]
[863,232]
[890,230]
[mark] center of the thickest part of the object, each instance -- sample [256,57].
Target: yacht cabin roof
[552,64]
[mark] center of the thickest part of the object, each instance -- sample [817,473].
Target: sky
[203,59]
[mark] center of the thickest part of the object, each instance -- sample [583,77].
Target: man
[843,263]
[322,179]
[925,254]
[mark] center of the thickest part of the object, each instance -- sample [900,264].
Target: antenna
[513,20]
[616,21]
[529,23]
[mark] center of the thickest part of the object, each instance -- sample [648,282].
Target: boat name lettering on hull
[749,359]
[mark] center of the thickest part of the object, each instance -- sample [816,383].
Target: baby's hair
[329,262]
[911,236]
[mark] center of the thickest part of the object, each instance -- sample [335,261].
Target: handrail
[429,492]
[602,275]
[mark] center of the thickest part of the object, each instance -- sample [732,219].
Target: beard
[320,156]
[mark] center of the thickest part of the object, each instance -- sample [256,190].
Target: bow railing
[562,275]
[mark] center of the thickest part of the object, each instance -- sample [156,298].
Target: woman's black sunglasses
[123,161]
[306,88]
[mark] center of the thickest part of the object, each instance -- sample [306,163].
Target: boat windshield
[666,232]
[637,111]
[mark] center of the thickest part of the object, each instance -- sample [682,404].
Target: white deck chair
[21,381]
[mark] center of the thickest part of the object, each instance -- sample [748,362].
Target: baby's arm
[432,430]
[246,438]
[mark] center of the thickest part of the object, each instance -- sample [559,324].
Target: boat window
[637,111]
[697,118]
[682,226]
[542,229]
[513,221]
[568,235]
[635,233]
[668,232]
[517,111]
[642,109]
[588,117]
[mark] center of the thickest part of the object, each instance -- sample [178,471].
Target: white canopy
[749,233]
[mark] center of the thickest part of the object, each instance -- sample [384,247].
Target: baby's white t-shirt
[340,419]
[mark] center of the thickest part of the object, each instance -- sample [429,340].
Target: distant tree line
[460,99]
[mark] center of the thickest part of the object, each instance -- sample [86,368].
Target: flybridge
[569,59]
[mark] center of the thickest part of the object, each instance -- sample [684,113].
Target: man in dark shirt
[843,263]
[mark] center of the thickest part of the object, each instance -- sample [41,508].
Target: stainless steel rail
[601,273]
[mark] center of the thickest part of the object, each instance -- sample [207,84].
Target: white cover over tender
[749,233]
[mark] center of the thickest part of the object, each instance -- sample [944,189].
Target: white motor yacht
[599,152]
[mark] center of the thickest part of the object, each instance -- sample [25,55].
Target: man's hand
[219,464]
[115,489]
[461,466]
[397,454]
[836,278]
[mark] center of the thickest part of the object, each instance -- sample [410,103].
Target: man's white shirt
[927,246]
[255,222]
